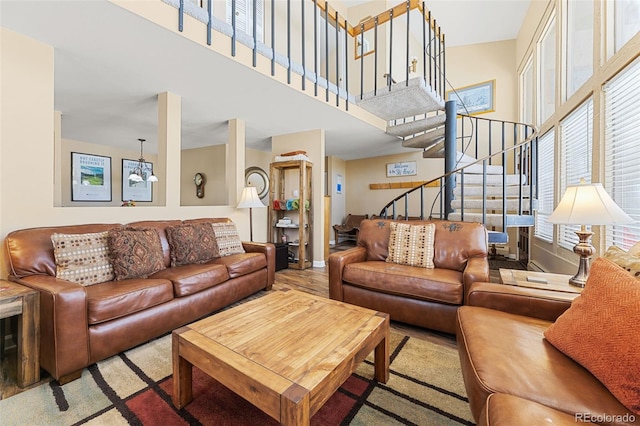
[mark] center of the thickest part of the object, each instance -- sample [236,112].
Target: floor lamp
[586,204]
[249,200]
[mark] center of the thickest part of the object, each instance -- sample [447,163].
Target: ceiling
[110,65]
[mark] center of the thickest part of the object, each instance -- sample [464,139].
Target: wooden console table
[21,301]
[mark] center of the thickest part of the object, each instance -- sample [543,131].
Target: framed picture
[405,168]
[339,184]
[136,191]
[90,177]
[475,99]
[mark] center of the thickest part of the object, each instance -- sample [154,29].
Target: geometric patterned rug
[425,387]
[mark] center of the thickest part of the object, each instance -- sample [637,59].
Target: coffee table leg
[381,360]
[182,377]
[294,406]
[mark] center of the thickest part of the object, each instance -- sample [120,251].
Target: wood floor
[311,280]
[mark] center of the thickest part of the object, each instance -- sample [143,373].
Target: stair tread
[417,126]
[494,219]
[491,191]
[426,140]
[476,203]
[405,99]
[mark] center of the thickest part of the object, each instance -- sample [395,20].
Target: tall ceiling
[110,65]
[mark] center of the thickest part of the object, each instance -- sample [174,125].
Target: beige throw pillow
[411,244]
[227,238]
[624,260]
[82,258]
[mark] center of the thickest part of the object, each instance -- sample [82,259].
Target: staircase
[489,165]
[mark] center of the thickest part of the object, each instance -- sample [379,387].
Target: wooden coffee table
[286,352]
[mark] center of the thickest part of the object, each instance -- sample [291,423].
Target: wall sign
[405,168]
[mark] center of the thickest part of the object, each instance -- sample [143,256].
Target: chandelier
[142,171]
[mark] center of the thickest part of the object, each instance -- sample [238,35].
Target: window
[626,21]
[546,155]
[622,156]
[527,95]
[579,60]
[547,86]
[576,139]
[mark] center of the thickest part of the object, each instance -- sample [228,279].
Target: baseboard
[319,263]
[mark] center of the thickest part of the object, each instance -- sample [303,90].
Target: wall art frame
[90,177]
[135,191]
[475,99]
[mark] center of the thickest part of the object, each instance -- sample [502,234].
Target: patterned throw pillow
[411,244]
[600,331]
[82,258]
[227,238]
[635,249]
[135,252]
[624,260]
[191,243]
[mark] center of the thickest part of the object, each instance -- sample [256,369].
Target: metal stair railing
[304,46]
[524,163]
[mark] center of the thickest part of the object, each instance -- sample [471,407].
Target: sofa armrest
[64,329]
[477,270]
[269,251]
[337,262]
[531,302]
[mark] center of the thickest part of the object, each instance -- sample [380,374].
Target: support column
[167,168]
[449,154]
[235,160]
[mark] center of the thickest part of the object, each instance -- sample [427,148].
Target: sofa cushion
[508,410]
[135,252]
[111,300]
[227,238]
[190,279]
[439,285]
[240,264]
[625,260]
[411,244]
[191,243]
[600,331]
[82,258]
[507,353]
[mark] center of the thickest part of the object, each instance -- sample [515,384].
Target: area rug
[425,388]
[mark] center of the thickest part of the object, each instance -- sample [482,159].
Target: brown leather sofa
[424,297]
[513,376]
[82,325]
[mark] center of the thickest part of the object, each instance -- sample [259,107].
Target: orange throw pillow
[600,331]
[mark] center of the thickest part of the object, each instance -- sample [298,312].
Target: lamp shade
[588,204]
[250,198]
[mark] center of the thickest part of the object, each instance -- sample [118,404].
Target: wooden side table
[21,301]
[539,280]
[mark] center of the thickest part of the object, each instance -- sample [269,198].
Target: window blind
[546,156]
[622,153]
[576,139]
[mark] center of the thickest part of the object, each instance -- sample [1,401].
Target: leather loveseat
[81,325]
[514,376]
[415,295]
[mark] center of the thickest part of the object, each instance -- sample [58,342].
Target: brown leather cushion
[507,353]
[509,410]
[189,279]
[438,285]
[111,300]
[600,331]
[135,252]
[242,263]
[191,243]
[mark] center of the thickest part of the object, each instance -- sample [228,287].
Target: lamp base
[585,250]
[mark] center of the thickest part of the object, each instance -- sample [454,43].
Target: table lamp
[586,203]
[249,200]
